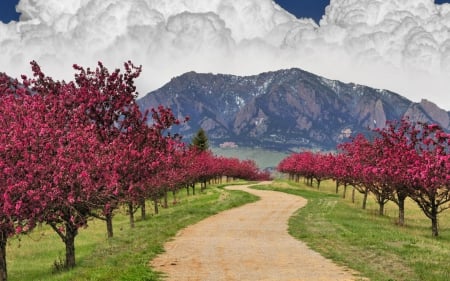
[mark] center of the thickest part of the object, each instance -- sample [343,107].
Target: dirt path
[246,243]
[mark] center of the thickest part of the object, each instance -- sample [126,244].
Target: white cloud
[401,45]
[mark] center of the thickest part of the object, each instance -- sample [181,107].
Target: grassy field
[366,242]
[124,257]
[335,227]
[263,158]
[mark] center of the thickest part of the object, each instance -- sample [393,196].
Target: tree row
[70,151]
[402,160]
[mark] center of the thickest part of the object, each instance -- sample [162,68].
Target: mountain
[285,110]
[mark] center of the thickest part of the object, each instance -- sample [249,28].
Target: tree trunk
[3,271]
[155,201]
[193,189]
[203,186]
[434,222]
[143,210]
[109,225]
[401,209]
[434,227]
[166,205]
[174,193]
[69,240]
[364,203]
[344,194]
[318,184]
[337,187]
[187,189]
[381,209]
[353,194]
[131,214]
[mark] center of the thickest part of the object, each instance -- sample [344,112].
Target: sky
[300,8]
[398,45]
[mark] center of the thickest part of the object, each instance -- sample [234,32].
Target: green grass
[335,227]
[124,257]
[371,244]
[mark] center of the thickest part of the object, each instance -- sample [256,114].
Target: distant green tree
[200,140]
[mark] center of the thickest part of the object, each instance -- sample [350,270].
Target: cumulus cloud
[400,45]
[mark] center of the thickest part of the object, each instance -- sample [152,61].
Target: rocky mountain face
[285,110]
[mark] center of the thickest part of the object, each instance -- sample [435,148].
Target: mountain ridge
[288,109]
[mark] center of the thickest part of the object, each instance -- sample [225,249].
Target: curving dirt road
[250,242]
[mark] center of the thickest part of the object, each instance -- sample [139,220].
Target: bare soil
[250,242]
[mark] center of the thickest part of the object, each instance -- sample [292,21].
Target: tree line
[403,160]
[70,151]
